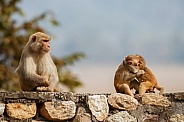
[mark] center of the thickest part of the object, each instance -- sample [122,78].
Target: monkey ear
[124,62]
[34,38]
[137,55]
[140,62]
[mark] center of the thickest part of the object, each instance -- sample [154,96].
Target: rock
[155,99]
[82,115]
[122,101]
[58,110]
[151,118]
[179,96]
[85,117]
[20,110]
[2,107]
[122,116]
[177,118]
[98,106]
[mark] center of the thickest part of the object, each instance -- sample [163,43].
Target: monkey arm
[129,76]
[139,73]
[132,69]
[53,79]
[34,80]
[29,74]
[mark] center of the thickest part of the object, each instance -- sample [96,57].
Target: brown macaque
[147,81]
[36,69]
[126,72]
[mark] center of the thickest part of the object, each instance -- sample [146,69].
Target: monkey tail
[161,89]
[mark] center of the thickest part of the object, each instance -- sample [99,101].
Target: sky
[107,31]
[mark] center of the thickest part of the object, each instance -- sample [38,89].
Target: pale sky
[106,31]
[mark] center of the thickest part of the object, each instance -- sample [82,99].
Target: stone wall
[72,107]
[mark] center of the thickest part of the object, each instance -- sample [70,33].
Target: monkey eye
[130,63]
[45,40]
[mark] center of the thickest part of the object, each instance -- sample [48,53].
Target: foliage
[14,36]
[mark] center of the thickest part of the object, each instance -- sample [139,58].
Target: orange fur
[125,73]
[147,81]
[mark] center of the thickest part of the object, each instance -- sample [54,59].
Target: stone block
[98,106]
[122,101]
[179,96]
[155,99]
[20,110]
[58,110]
[2,107]
[122,116]
[177,118]
[82,115]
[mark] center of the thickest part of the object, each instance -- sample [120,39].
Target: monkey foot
[138,97]
[42,89]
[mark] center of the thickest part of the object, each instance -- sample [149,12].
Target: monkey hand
[140,72]
[44,89]
[45,82]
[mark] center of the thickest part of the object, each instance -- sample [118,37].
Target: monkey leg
[134,84]
[150,91]
[126,89]
[144,86]
[161,89]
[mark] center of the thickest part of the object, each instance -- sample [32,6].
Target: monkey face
[40,42]
[45,46]
[142,61]
[132,62]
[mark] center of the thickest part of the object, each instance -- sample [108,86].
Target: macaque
[36,69]
[147,81]
[126,72]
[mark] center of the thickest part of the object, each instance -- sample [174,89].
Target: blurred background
[106,31]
